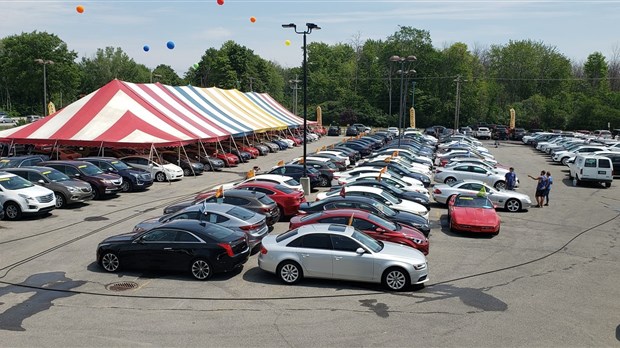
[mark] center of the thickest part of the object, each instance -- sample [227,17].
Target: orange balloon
[80,9]
[253,19]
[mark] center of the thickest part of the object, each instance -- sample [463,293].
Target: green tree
[166,75]
[22,77]
[595,70]
[108,64]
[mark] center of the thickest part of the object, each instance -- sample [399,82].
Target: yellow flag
[250,174]
[482,192]
[220,192]
[383,170]
[395,154]
[379,176]
[351,220]
[387,160]
[280,163]
[332,146]
[324,148]
[301,161]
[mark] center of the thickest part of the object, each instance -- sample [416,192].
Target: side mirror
[360,251]
[77,175]
[40,181]
[139,240]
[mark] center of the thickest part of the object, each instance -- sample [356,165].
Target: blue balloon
[170,44]
[146,48]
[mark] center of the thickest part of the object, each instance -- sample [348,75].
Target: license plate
[601,172]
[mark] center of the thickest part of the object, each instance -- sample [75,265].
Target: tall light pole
[296,81]
[44,62]
[402,72]
[305,181]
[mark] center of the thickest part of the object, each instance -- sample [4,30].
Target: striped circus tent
[265,104]
[274,105]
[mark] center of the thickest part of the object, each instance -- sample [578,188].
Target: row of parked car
[588,158]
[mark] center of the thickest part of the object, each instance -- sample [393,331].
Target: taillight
[437,191]
[263,250]
[228,249]
[250,227]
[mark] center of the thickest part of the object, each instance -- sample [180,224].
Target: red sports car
[251,150]
[229,159]
[287,199]
[374,226]
[472,213]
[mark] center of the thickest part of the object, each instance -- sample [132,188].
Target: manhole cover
[96,218]
[121,286]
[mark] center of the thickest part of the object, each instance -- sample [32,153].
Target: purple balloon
[146,48]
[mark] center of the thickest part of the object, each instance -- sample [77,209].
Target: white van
[588,167]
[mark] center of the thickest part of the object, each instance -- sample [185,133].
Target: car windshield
[241,213]
[120,165]
[389,197]
[55,175]
[284,189]
[368,242]
[292,182]
[383,208]
[473,202]
[89,169]
[218,233]
[15,183]
[8,163]
[383,222]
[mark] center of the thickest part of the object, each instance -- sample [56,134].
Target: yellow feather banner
[250,174]
[220,192]
[351,220]
[383,170]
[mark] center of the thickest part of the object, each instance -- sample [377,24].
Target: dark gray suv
[67,191]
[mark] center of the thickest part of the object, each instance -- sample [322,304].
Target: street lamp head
[411,58]
[395,59]
[290,25]
[313,26]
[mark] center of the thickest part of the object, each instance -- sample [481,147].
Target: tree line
[356,81]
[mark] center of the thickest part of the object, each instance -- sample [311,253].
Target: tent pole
[188,160]
[55,148]
[153,149]
[202,145]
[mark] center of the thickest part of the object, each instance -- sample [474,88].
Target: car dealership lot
[523,287]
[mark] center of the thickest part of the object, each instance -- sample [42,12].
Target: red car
[374,226]
[229,159]
[251,150]
[471,213]
[295,139]
[287,199]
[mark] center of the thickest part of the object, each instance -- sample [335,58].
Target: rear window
[284,189]
[265,199]
[286,235]
[218,233]
[310,216]
[241,213]
[604,163]
[590,163]
[292,182]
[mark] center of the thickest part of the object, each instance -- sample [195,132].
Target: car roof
[22,157]
[344,212]
[326,228]
[75,163]
[38,169]
[216,207]
[273,176]
[99,158]
[258,183]
[6,174]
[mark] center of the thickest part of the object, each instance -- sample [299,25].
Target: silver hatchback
[239,219]
[334,251]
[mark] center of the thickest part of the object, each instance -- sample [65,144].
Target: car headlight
[420,266]
[106,181]
[417,240]
[26,197]
[72,189]
[139,229]
[135,175]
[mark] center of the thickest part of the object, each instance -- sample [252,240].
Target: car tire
[449,180]
[126,186]
[281,210]
[201,269]
[289,272]
[564,161]
[110,262]
[513,205]
[12,211]
[396,279]
[209,167]
[160,177]
[607,185]
[500,185]
[61,202]
[187,172]
[323,181]
[96,193]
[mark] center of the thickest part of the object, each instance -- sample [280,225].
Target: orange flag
[301,161]
[280,163]
[332,146]
[324,148]
[250,174]
[351,220]
[383,170]
[395,154]
[379,176]
[387,160]
[220,192]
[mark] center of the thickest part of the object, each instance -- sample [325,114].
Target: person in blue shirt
[541,188]
[549,183]
[511,179]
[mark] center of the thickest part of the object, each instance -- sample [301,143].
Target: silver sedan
[510,200]
[334,251]
[226,215]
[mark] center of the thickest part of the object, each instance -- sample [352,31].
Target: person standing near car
[549,183]
[540,188]
[511,179]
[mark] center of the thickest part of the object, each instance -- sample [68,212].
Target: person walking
[549,183]
[511,179]
[540,188]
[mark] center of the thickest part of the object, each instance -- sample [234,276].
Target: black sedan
[334,131]
[369,205]
[395,191]
[200,248]
[296,171]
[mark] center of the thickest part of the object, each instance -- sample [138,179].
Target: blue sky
[576,28]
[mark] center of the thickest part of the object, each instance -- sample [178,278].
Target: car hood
[176,207]
[172,167]
[35,191]
[402,253]
[148,224]
[73,183]
[475,216]
[120,238]
[410,206]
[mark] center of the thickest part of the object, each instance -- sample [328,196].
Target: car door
[159,248]
[347,263]
[293,172]
[478,173]
[183,251]
[316,255]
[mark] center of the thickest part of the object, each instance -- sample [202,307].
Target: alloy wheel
[289,273]
[110,262]
[396,279]
[60,200]
[513,205]
[201,269]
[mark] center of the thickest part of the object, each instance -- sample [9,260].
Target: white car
[394,130]
[483,133]
[160,172]
[339,155]
[381,196]
[275,178]
[413,166]
[389,178]
[408,154]
[20,197]
[565,156]
[470,172]
[510,200]
[375,171]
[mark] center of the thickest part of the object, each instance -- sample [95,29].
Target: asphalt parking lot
[550,278]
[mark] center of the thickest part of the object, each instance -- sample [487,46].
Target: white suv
[20,197]
[483,133]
